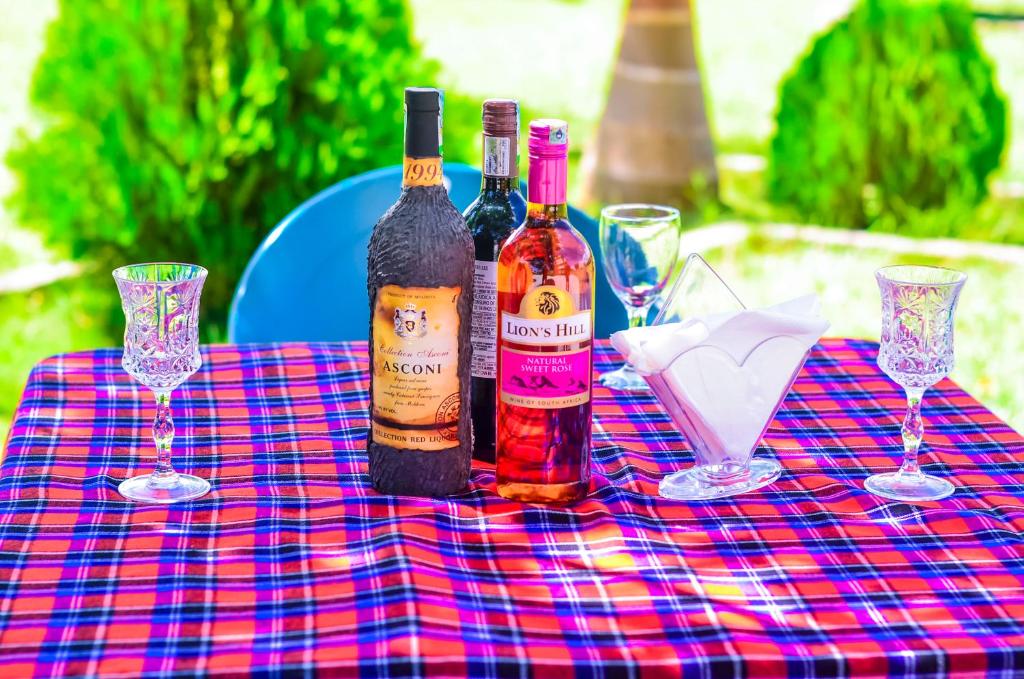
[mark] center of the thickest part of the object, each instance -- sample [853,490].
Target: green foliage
[56,318]
[892,117]
[186,129]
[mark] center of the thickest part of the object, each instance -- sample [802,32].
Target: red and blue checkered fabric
[293,563]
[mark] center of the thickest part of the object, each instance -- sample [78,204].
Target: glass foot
[696,484]
[145,489]
[908,487]
[624,379]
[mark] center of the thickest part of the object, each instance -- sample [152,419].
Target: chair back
[307,280]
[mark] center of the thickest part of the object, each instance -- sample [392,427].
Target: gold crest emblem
[410,322]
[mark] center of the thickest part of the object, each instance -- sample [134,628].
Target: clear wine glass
[161,350]
[639,248]
[918,305]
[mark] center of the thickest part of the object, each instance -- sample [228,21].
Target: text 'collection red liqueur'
[420,285]
[545,338]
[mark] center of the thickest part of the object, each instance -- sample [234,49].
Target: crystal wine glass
[639,247]
[161,350]
[918,304]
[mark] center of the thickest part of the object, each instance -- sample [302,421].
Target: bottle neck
[499,185]
[547,189]
[548,181]
[500,163]
[546,214]
[422,164]
[422,172]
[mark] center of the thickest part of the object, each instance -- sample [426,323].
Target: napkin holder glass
[721,468]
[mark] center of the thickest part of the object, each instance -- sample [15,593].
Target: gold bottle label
[416,397]
[422,171]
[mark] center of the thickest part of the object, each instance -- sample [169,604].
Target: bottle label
[546,331]
[497,156]
[485,320]
[416,395]
[548,380]
[547,318]
[421,171]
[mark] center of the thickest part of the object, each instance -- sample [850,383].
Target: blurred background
[809,141]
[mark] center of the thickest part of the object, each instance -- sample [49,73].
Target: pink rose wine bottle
[545,338]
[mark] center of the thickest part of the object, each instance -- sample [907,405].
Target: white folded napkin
[728,372]
[651,349]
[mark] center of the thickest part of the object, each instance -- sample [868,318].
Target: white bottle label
[497,156]
[484,333]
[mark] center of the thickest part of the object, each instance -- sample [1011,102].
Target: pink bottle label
[545,380]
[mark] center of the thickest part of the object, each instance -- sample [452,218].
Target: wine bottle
[496,212]
[420,285]
[545,338]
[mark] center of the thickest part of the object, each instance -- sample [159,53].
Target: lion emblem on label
[410,322]
[547,303]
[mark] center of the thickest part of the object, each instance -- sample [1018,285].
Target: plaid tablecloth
[293,563]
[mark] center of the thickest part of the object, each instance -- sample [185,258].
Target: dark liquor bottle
[496,212]
[545,338]
[420,284]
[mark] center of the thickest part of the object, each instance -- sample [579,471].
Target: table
[294,563]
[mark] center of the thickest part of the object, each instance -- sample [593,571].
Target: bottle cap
[549,138]
[501,117]
[423,122]
[423,99]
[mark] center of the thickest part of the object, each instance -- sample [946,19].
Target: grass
[58,318]
[556,57]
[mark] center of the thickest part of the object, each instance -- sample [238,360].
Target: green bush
[893,116]
[186,129]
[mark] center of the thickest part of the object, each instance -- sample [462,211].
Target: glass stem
[913,433]
[637,319]
[637,315]
[163,435]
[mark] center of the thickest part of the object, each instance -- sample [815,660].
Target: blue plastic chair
[307,280]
